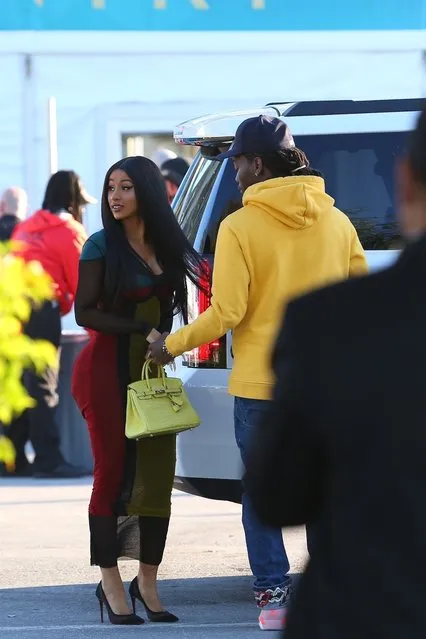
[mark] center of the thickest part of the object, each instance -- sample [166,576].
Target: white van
[355,145]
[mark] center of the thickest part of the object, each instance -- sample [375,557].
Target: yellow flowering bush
[22,285]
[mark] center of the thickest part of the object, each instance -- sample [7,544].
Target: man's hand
[157,353]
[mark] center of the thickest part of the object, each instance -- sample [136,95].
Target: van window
[359,171]
[202,203]
[192,198]
[227,200]
[191,201]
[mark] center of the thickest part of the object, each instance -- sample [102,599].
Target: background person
[174,171]
[53,237]
[13,209]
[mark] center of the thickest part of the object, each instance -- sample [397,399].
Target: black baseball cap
[260,135]
[174,170]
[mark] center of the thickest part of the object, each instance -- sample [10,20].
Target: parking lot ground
[47,585]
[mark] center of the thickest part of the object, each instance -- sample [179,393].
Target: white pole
[29,125]
[53,136]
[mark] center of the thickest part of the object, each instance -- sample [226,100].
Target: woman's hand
[158,352]
[153,336]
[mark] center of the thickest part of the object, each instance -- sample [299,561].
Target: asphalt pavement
[47,587]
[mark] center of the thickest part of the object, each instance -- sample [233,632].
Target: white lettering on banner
[200,5]
[197,4]
[96,4]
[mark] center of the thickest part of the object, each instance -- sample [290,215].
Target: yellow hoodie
[286,240]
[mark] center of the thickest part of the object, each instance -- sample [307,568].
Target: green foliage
[22,286]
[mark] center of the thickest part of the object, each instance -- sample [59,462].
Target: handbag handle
[146,370]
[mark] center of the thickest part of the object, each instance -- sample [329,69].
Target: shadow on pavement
[196,601]
[31,482]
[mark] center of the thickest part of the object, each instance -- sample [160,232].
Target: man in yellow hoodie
[287,239]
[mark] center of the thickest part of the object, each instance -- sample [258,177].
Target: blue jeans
[265,547]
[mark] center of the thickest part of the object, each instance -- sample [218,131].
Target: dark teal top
[95,247]
[146,297]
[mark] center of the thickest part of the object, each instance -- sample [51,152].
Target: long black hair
[63,192]
[162,232]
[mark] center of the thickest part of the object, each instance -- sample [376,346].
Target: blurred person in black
[13,209]
[344,442]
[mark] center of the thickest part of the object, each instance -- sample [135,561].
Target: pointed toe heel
[119,620]
[157,617]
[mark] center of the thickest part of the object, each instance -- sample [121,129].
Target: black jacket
[344,445]
[7,225]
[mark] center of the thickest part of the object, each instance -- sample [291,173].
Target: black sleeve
[285,472]
[166,321]
[87,311]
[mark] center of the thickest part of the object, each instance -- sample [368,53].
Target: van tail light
[211,355]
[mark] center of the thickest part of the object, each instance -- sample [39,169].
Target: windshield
[359,172]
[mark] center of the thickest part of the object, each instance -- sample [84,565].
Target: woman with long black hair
[132,280]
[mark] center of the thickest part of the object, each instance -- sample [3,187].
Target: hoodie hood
[43,221]
[55,241]
[297,202]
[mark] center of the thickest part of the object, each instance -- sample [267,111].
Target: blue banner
[212,15]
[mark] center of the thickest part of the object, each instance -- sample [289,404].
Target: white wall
[165,89]
[149,83]
[11,121]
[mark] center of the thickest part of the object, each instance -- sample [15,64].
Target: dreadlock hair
[286,163]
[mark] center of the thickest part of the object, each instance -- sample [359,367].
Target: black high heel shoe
[123,620]
[162,617]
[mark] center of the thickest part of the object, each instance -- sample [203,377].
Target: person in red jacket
[53,236]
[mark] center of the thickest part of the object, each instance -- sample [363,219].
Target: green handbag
[158,406]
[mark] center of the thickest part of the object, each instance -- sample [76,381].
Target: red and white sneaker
[274,605]
[272,618]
